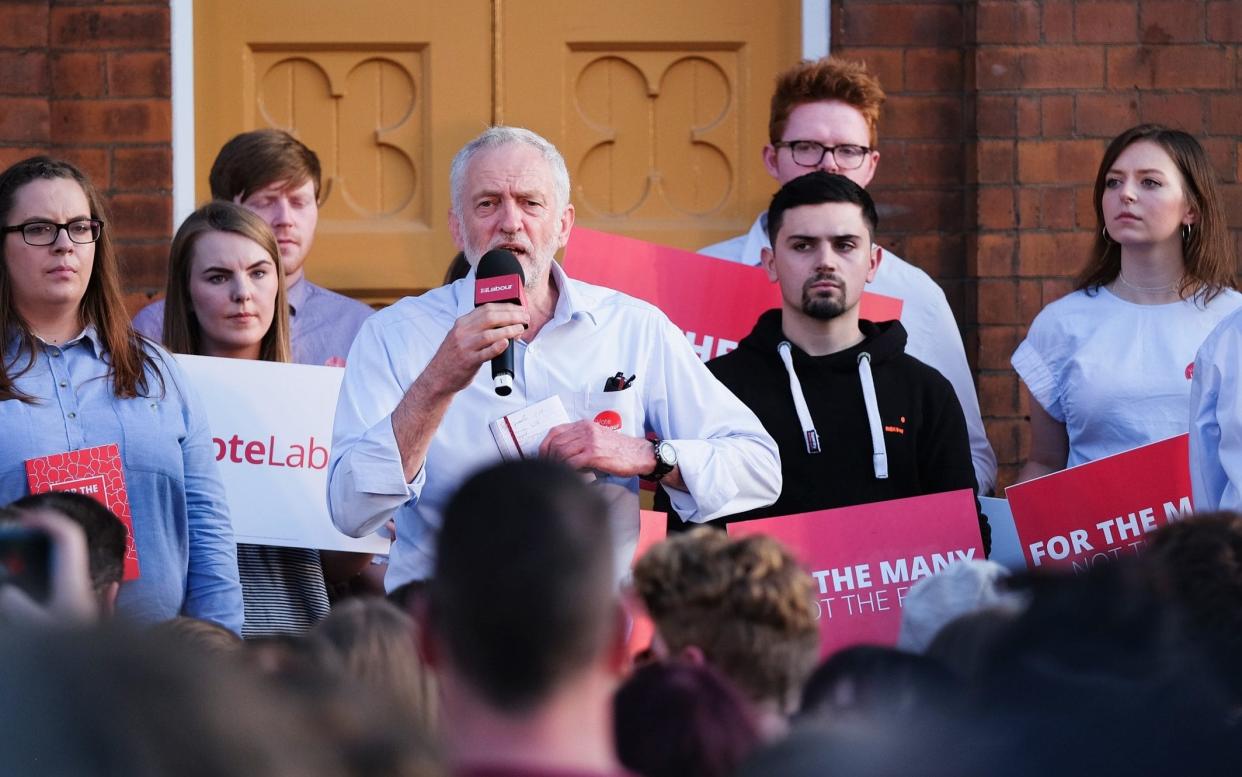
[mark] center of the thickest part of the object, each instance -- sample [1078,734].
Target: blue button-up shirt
[184,539]
[322,323]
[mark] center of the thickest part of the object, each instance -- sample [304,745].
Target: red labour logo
[609,419]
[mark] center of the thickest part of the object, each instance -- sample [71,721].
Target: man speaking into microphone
[412,422]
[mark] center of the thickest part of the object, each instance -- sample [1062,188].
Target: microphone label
[501,288]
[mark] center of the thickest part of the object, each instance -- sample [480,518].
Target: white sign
[271,425]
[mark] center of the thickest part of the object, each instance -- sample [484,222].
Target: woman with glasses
[226,298]
[74,375]
[1109,366]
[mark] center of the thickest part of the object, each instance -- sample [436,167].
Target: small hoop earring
[1104,232]
[1186,231]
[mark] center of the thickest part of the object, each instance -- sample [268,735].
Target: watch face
[668,454]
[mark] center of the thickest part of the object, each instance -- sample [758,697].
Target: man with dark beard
[856,419]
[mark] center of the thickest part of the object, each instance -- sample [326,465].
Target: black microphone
[499,278]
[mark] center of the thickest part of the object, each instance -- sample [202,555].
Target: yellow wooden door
[659,107]
[381,90]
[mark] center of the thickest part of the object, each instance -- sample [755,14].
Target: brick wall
[1029,93]
[89,82]
[998,112]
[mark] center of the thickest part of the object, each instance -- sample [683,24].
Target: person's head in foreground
[742,605]
[678,719]
[524,625]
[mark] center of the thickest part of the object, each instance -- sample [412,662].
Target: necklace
[1150,289]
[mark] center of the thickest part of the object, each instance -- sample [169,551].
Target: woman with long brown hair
[1109,366]
[74,375]
[226,298]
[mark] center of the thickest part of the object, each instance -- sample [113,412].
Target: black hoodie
[926,449]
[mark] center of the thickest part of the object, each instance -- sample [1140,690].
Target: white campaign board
[1006,550]
[271,425]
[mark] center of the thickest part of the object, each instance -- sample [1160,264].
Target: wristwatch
[665,459]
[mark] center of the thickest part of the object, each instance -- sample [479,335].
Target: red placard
[94,472]
[652,528]
[715,302]
[865,558]
[1102,510]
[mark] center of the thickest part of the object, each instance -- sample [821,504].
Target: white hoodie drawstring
[795,388]
[879,454]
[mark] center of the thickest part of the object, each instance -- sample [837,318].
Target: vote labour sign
[1102,510]
[271,428]
[865,558]
[713,301]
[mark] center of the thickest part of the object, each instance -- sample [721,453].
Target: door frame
[816,41]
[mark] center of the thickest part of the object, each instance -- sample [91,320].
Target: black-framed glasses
[44,233]
[808,153]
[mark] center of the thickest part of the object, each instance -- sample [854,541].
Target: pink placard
[865,558]
[1104,509]
[652,528]
[715,302]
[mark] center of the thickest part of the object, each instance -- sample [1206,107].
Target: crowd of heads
[1131,666]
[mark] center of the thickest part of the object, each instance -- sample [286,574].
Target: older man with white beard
[413,416]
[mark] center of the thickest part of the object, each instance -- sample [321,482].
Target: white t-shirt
[1216,419]
[1116,373]
[933,336]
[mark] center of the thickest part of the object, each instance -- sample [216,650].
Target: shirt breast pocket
[152,429]
[618,410]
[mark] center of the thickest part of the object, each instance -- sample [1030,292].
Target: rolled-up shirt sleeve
[729,463]
[366,479]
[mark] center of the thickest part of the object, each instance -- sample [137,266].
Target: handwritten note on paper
[519,434]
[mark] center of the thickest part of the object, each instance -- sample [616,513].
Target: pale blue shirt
[1216,419]
[934,338]
[322,323]
[182,531]
[727,460]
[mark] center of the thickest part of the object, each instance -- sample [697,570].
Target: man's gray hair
[501,135]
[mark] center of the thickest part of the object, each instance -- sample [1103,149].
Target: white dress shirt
[934,338]
[727,460]
[1216,419]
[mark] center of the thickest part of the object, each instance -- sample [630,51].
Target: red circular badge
[609,419]
[1190,370]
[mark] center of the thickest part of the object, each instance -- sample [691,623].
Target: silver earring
[1186,233]
[1104,232]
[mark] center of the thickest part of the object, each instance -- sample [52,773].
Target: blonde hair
[745,602]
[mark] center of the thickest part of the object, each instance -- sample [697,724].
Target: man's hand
[587,445]
[476,338]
